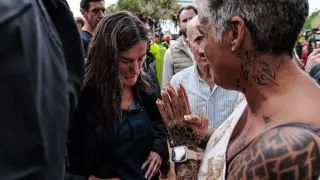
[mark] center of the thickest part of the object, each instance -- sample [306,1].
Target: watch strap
[192,155]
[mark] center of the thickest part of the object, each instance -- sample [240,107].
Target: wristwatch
[182,154]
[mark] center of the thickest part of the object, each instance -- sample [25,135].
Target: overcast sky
[75,5]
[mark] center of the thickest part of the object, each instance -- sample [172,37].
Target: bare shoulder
[281,153]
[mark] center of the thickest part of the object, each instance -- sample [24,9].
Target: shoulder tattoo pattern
[282,153]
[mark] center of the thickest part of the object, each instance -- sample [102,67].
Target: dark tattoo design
[282,153]
[238,85]
[186,136]
[266,119]
[187,170]
[240,144]
[256,70]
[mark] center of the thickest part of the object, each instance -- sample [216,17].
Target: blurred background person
[178,56]
[153,56]
[79,22]
[92,12]
[313,65]
[313,59]
[162,48]
[166,40]
[315,73]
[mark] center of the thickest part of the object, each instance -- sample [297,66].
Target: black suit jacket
[41,69]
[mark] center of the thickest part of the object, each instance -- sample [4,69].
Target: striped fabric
[217,102]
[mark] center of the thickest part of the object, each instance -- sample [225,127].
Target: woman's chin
[129,83]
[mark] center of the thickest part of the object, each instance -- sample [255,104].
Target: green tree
[312,21]
[156,9]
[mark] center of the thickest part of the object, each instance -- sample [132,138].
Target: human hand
[153,163]
[173,106]
[313,59]
[199,124]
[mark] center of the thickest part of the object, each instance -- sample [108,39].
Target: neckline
[240,124]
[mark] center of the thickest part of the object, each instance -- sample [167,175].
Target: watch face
[178,154]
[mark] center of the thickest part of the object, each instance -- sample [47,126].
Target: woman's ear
[236,32]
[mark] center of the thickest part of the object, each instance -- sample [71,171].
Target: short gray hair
[273,24]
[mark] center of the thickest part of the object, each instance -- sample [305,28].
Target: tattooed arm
[282,153]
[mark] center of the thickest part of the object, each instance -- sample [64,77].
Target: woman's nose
[134,67]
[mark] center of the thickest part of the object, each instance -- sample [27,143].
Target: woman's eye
[124,62]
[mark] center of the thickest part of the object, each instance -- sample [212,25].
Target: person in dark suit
[41,72]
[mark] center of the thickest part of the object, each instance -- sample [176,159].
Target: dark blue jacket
[149,69]
[86,38]
[94,150]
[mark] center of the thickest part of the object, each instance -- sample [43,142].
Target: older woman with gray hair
[276,134]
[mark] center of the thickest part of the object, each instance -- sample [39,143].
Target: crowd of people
[107,96]
[307,41]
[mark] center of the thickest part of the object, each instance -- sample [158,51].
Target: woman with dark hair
[117,131]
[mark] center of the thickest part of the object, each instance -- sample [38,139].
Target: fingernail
[186,117]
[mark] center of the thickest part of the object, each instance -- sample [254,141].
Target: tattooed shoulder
[281,153]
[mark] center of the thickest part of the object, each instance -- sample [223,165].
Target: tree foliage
[156,9]
[313,21]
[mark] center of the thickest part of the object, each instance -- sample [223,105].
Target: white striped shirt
[218,102]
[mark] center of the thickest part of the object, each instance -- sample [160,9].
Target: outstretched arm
[281,153]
